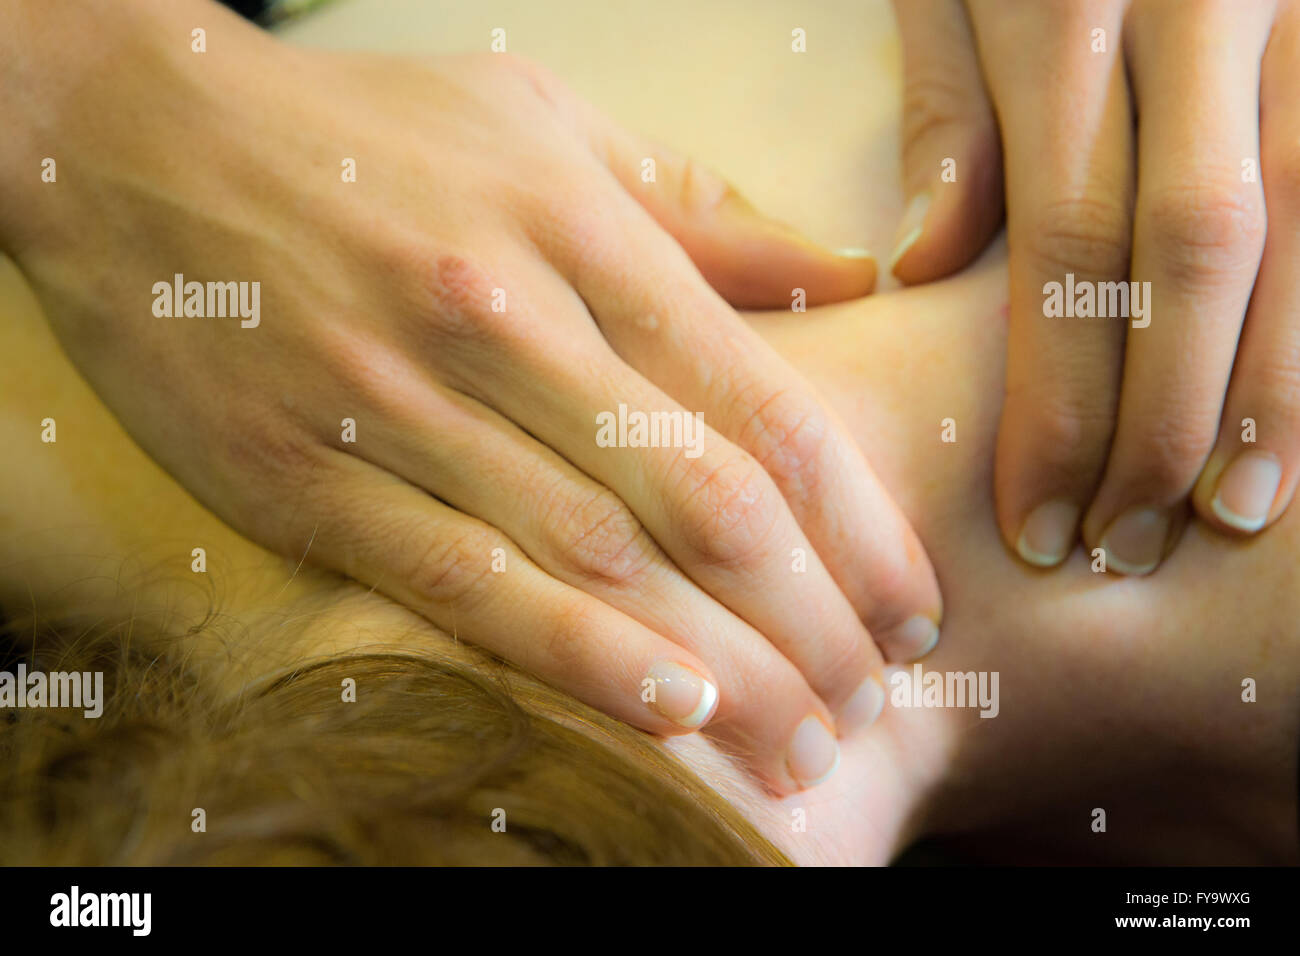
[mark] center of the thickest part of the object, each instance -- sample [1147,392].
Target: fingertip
[778,268]
[910,229]
[1134,543]
[814,753]
[1048,533]
[681,694]
[911,640]
[1243,492]
[947,224]
[863,707]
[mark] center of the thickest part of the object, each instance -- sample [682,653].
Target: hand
[1115,419]
[497,278]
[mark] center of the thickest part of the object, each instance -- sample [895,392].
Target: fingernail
[863,707]
[853,252]
[1048,533]
[1135,541]
[1246,490]
[814,755]
[682,695]
[909,230]
[914,638]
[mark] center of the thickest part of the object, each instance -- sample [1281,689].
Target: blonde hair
[414,772]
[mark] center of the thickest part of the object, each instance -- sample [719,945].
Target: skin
[1168,158]
[474,428]
[1115,692]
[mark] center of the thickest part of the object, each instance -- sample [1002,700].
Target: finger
[700,352]
[1065,120]
[385,533]
[751,260]
[1198,237]
[952,158]
[1252,473]
[583,535]
[707,504]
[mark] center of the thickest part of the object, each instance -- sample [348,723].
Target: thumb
[952,157]
[751,260]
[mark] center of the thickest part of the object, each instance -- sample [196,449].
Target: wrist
[77,80]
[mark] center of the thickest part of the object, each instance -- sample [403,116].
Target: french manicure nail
[912,639]
[1246,490]
[1047,535]
[1135,541]
[682,695]
[862,708]
[909,229]
[814,754]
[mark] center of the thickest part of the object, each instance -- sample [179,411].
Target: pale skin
[1151,140]
[1118,693]
[481,181]
[765,695]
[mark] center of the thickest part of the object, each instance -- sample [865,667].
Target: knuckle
[789,435]
[1067,426]
[285,455]
[843,665]
[1089,236]
[452,571]
[601,541]
[1205,231]
[889,573]
[1173,453]
[728,512]
[933,103]
[453,297]
[1068,434]
[579,221]
[567,642]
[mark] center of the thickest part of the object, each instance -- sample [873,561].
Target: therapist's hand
[1138,139]
[417,401]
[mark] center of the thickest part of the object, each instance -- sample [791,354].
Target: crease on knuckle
[568,642]
[1068,435]
[452,572]
[1082,235]
[1173,453]
[789,437]
[728,514]
[1206,232]
[601,541]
